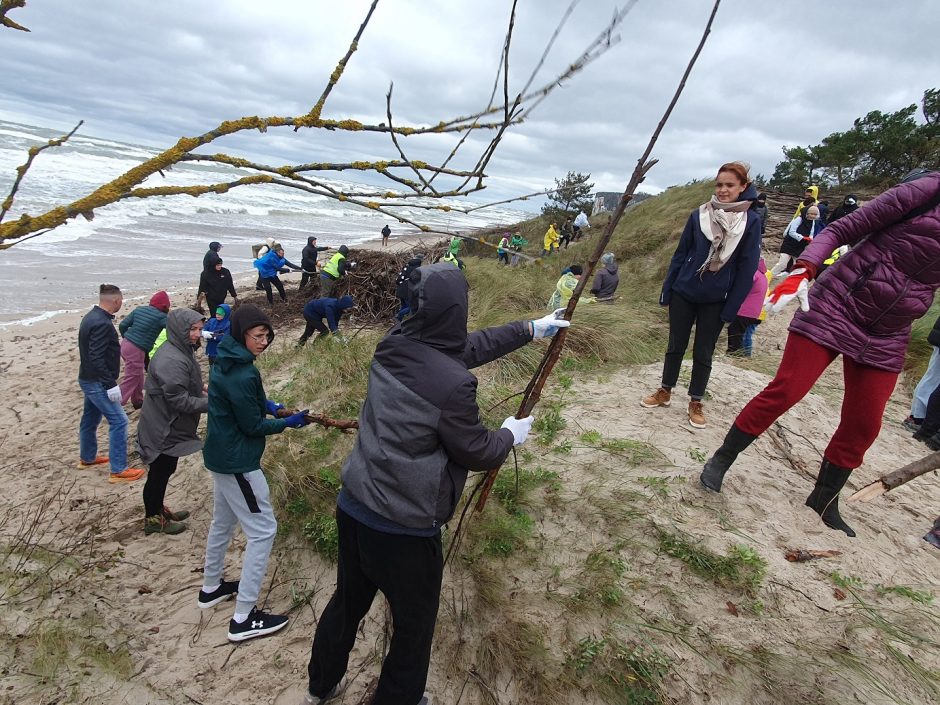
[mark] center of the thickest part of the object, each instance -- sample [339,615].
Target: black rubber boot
[824,499]
[714,471]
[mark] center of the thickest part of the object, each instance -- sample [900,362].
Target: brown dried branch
[895,479]
[23,168]
[800,555]
[643,165]
[5,7]
[321,419]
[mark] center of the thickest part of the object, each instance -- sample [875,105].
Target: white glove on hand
[520,428]
[114,394]
[547,326]
[207,334]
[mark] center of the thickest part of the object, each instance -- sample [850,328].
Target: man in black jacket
[100,365]
[212,256]
[214,285]
[419,435]
[308,261]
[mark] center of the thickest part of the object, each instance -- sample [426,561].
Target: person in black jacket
[100,364]
[401,284]
[419,435]
[849,205]
[214,285]
[212,256]
[308,262]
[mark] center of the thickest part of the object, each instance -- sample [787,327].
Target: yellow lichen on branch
[196,191]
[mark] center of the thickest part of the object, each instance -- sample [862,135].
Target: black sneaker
[226,591]
[258,624]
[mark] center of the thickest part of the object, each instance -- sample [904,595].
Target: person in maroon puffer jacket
[861,308]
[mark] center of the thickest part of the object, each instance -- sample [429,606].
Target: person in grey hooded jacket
[419,435]
[606,280]
[167,430]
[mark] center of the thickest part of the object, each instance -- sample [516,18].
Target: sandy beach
[134,595]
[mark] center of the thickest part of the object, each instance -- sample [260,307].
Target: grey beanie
[608,258]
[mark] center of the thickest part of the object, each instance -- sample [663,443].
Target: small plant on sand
[599,581]
[742,569]
[592,438]
[618,672]
[549,423]
[921,597]
[320,529]
[698,455]
[849,582]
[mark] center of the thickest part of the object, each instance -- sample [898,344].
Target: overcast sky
[772,73]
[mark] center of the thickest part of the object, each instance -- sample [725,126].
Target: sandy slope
[140,592]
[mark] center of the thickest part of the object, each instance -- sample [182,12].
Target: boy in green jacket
[234,444]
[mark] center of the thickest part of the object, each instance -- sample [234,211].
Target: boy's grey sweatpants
[241,500]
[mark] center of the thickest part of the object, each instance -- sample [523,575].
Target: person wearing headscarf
[799,233]
[709,277]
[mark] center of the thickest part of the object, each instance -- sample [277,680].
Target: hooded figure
[168,427]
[219,328]
[334,270]
[849,205]
[565,287]
[419,435]
[810,198]
[212,257]
[308,261]
[606,280]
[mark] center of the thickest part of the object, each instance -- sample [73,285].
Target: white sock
[240,616]
[211,588]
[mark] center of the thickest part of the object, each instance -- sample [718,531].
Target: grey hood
[178,323]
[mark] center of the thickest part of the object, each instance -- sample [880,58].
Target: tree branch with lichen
[5,7]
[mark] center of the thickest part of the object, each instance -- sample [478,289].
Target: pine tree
[572,194]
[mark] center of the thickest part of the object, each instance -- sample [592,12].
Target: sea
[158,243]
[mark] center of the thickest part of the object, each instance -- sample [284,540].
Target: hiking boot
[159,525]
[714,471]
[128,475]
[696,414]
[912,424]
[258,624]
[170,515]
[824,499]
[302,341]
[933,537]
[226,591]
[933,441]
[661,397]
[335,692]
[100,460]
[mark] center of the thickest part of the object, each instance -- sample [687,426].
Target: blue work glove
[547,326]
[297,420]
[272,407]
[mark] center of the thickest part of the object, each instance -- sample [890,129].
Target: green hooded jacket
[237,422]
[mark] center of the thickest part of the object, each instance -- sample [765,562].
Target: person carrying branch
[235,439]
[709,277]
[863,310]
[308,262]
[419,435]
[328,309]
[334,270]
[269,266]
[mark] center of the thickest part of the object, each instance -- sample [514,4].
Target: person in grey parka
[167,430]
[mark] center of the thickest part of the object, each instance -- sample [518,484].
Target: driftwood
[888,482]
[799,555]
[344,425]
[534,389]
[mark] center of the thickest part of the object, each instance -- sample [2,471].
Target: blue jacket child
[219,327]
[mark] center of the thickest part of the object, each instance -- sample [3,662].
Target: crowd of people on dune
[861,276]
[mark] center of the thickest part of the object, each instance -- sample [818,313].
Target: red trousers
[867,390]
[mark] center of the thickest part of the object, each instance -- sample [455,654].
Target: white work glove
[207,334]
[547,326]
[114,394]
[794,286]
[520,428]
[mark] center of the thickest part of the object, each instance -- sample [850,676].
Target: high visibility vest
[450,257]
[332,267]
[831,259]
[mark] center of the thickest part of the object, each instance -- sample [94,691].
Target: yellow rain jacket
[551,239]
[813,190]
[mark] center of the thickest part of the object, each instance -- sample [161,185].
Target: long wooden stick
[533,391]
[888,482]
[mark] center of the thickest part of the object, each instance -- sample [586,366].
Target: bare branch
[5,7]
[314,114]
[23,168]
[644,164]
[388,113]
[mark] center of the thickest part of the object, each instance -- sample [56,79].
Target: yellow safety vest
[332,267]
[450,257]
[831,259]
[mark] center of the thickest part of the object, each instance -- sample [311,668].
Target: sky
[771,74]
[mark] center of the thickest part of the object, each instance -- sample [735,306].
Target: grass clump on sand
[741,569]
[618,672]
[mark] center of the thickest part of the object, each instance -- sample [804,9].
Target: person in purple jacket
[741,329]
[862,309]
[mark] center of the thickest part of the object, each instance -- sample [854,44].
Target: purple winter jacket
[863,306]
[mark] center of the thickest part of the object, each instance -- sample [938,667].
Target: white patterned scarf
[723,224]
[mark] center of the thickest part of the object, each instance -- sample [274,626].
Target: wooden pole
[888,482]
